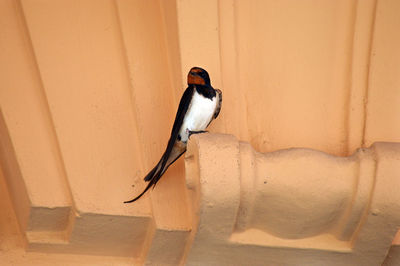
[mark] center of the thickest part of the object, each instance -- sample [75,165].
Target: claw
[197,132]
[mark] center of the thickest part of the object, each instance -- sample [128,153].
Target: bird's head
[198,76]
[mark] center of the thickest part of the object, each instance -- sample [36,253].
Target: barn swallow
[199,105]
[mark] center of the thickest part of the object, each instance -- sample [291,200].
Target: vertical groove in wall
[221,12]
[244,128]
[221,57]
[129,79]
[348,76]
[232,93]
[45,103]
[355,122]
[173,74]
[178,10]
[12,176]
[367,87]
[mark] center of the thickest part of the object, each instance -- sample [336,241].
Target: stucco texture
[88,95]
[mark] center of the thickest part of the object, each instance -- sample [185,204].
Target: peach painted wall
[89,91]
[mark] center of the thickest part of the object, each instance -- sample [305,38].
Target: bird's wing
[219,104]
[180,115]
[172,150]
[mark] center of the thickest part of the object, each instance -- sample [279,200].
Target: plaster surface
[290,207]
[88,94]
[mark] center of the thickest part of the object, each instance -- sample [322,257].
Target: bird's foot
[196,132]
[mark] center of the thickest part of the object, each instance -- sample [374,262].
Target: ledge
[295,206]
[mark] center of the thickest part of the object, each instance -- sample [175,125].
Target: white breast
[198,115]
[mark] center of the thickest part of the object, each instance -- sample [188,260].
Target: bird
[200,104]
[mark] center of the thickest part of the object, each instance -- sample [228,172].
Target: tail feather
[153,176]
[150,175]
[157,172]
[141,194]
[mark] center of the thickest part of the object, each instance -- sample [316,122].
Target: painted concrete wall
[89,90]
